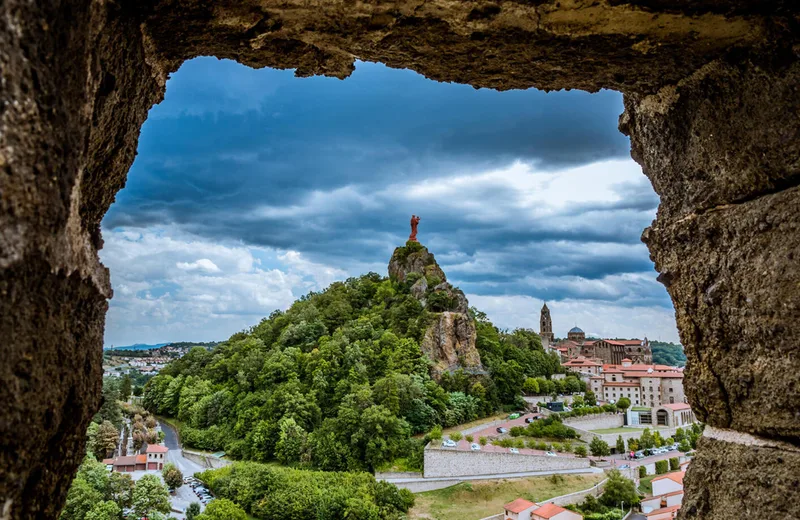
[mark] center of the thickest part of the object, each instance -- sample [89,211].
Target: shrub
[599,447]
[436,432]
[674,464]
[468,438]
[519,443]
[541,446]
[580,450]
[455,436]
[517,431]
[684,446]
[642,471]
[558,447]
[482,441]
[662,466]
[567,447]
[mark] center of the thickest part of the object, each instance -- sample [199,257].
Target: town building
[643,385]
[546,328]
[152,459]
[667,491]
[521,509]
[610,351]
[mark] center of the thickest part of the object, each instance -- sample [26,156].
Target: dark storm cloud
[322,167]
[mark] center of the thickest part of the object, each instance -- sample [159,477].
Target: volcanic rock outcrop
[449,341]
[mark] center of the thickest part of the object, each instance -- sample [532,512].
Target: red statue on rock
[414,223]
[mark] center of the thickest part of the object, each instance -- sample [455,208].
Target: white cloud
[204,264]
[170,286]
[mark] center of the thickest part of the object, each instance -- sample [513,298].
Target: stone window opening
[710,108]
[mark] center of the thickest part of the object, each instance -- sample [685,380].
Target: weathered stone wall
[596,421]
[207,461]
[711,106]
[453,463]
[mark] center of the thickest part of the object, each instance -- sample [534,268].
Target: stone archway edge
[747,439]
[712,108]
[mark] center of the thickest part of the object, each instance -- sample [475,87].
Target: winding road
[184,494]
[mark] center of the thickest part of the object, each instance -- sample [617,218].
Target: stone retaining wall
[207,461]
[453,463]
[597,421]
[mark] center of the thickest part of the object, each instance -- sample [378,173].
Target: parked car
[448,443]
[674,447]
[513,416]
[639,454]
[625,466]
[513,450]
[550,454]
[475,447]
[529,420]
[502,430]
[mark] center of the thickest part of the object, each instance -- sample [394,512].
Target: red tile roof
[670,509]
[141,459]
[128,460]
[519,505]
[155,448]
[548,510]
[108,461]
[675,476]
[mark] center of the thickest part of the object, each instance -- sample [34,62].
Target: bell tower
[546,327]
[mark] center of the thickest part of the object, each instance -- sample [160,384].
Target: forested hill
[668,353]
[339,381]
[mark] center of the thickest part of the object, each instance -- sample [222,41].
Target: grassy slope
[482,498]
[644,485]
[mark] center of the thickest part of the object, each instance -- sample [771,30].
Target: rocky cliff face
[449,340]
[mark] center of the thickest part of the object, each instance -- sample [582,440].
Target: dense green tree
[193,511]
[125,388]
[291,441]
[150,495]
[620,444]
[119,489]
[599,447]
[107,510]
[619,489]
[624,403]
[530,386]
[105,439]
[223,509]
[81,498]
[109,407]
[172,476]
[589,398]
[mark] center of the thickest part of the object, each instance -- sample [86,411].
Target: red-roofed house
[155,456]
[519,509]
[666,500]
[664,513]
[668,483]
[554,512]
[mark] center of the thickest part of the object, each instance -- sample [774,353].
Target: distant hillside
[668,353]
[137,346]
[177,344]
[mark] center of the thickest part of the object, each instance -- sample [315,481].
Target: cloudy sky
[252,187]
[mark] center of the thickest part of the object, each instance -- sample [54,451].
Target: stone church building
[606,351]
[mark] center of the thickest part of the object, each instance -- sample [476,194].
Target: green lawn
[482,498]
[644,485]
[617,430]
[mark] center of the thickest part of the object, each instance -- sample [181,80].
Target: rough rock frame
[712,106]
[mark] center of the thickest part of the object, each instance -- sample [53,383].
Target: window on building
[671,400]
[670,390]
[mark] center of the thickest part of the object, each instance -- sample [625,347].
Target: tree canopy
[339,381]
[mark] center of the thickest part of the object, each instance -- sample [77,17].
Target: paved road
[184,495]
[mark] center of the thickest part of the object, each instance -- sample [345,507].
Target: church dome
[576,330]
